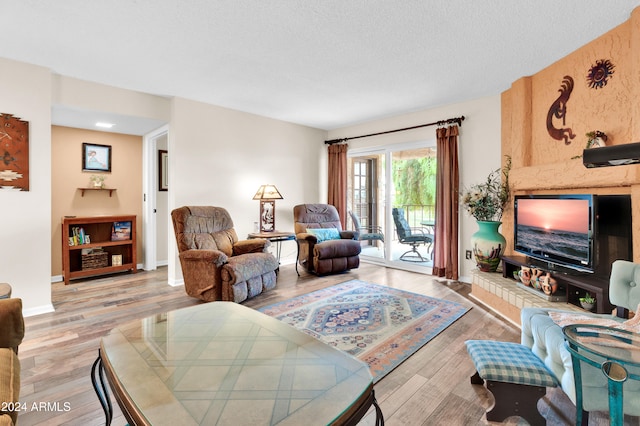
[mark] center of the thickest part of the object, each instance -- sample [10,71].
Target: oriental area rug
[379,325]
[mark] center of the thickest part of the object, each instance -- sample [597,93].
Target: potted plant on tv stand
[587,302]
[486,202]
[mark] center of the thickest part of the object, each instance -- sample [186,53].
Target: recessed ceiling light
[105,125]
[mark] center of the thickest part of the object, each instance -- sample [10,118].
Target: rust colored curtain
[445,260]
[338,180]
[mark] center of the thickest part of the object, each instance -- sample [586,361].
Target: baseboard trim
[45,309]
[176,283]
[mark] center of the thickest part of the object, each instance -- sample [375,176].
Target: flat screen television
[557,229]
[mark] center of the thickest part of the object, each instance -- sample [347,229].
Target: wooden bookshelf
[82,259]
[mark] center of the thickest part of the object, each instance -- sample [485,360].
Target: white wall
[25,217]
[479,149]
[220,157]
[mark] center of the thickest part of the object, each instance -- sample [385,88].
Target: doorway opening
[395,180]
[155,206]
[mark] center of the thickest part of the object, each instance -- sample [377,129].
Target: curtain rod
[457,120]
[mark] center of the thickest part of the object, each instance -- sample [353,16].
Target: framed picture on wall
[163,167]
[96,158]
[14,167]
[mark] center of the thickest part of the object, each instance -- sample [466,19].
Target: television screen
[556,229]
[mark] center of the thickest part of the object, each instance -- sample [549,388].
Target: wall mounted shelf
[97,189]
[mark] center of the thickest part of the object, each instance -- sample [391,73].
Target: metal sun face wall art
[600,73]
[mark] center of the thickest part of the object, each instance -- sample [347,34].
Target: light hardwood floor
[430,388]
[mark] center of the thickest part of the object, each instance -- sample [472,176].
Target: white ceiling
[322,63]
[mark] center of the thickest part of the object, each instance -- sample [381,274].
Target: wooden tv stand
[576,284]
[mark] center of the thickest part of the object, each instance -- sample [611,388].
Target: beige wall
[543,164]
[67,176]
[220,157]
[74,93]
[25,217]
[27,232]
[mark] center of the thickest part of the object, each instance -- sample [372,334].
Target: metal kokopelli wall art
[558,111]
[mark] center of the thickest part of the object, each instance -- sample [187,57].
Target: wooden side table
[276,237]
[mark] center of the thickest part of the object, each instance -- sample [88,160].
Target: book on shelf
[78,236]
[121,231]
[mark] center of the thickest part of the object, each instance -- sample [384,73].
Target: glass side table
[275,237]
[607,360]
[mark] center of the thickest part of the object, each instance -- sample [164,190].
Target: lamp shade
[267,192]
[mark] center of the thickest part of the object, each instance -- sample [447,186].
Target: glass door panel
[410,192]
[366,202]
[413,206]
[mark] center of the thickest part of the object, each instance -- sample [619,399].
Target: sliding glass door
[392,192]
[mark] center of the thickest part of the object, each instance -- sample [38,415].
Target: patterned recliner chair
[215,264]
[323,247]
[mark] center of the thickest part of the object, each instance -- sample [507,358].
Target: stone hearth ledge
[505,298]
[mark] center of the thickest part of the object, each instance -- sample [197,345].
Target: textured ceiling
[323,63]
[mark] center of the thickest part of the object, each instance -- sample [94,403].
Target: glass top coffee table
[223,363]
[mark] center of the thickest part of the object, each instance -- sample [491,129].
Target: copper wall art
[14,153]
[558,111]
[600,73]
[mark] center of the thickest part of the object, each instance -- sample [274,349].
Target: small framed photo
[116,260]
[163,167]
[96,158]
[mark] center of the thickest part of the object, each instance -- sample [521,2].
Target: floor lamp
[267,194]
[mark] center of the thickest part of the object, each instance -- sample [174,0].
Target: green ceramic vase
[488,245]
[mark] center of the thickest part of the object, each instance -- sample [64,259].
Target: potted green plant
[596,139]
[97,181]
[486,202]
[587,302]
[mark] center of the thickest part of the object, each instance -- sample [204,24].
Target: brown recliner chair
[323,247]
[11,335]
[215,264]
